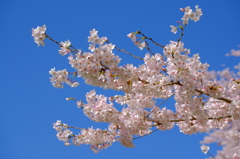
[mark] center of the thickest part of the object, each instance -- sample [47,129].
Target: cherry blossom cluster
[234,53]
[227,74]
[228,137]
[63,134]
[60,77]
[39,35]
[203,102]
[140,43]
[93,38]
[189,14]
[97,138]
[163,117]
[97,108]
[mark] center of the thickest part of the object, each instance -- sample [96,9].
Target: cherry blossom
[39,35]
[65,48]
[204,100]
[60,77]
[140,43]
[174,29]
[205,149]
[234,53]
[189,14]
[229,137]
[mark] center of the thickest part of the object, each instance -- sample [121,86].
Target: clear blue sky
[29,104]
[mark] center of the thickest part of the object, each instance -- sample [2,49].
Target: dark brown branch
[105,67]
[211,155]
[192,119]
[201,92]
[74,127]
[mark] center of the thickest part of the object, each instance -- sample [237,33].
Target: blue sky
[29,104]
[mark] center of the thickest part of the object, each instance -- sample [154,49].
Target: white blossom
[205,149]
[39,35]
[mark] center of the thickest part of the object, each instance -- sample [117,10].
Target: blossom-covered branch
[201,102]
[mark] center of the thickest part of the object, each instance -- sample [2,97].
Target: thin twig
[148,48]
[123,50]
[72,50]
[182,33]
[145,134]
[160,104]
[75,127]
[211,155]
[179,120]
[139,32]
[205,93]
[73,72]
